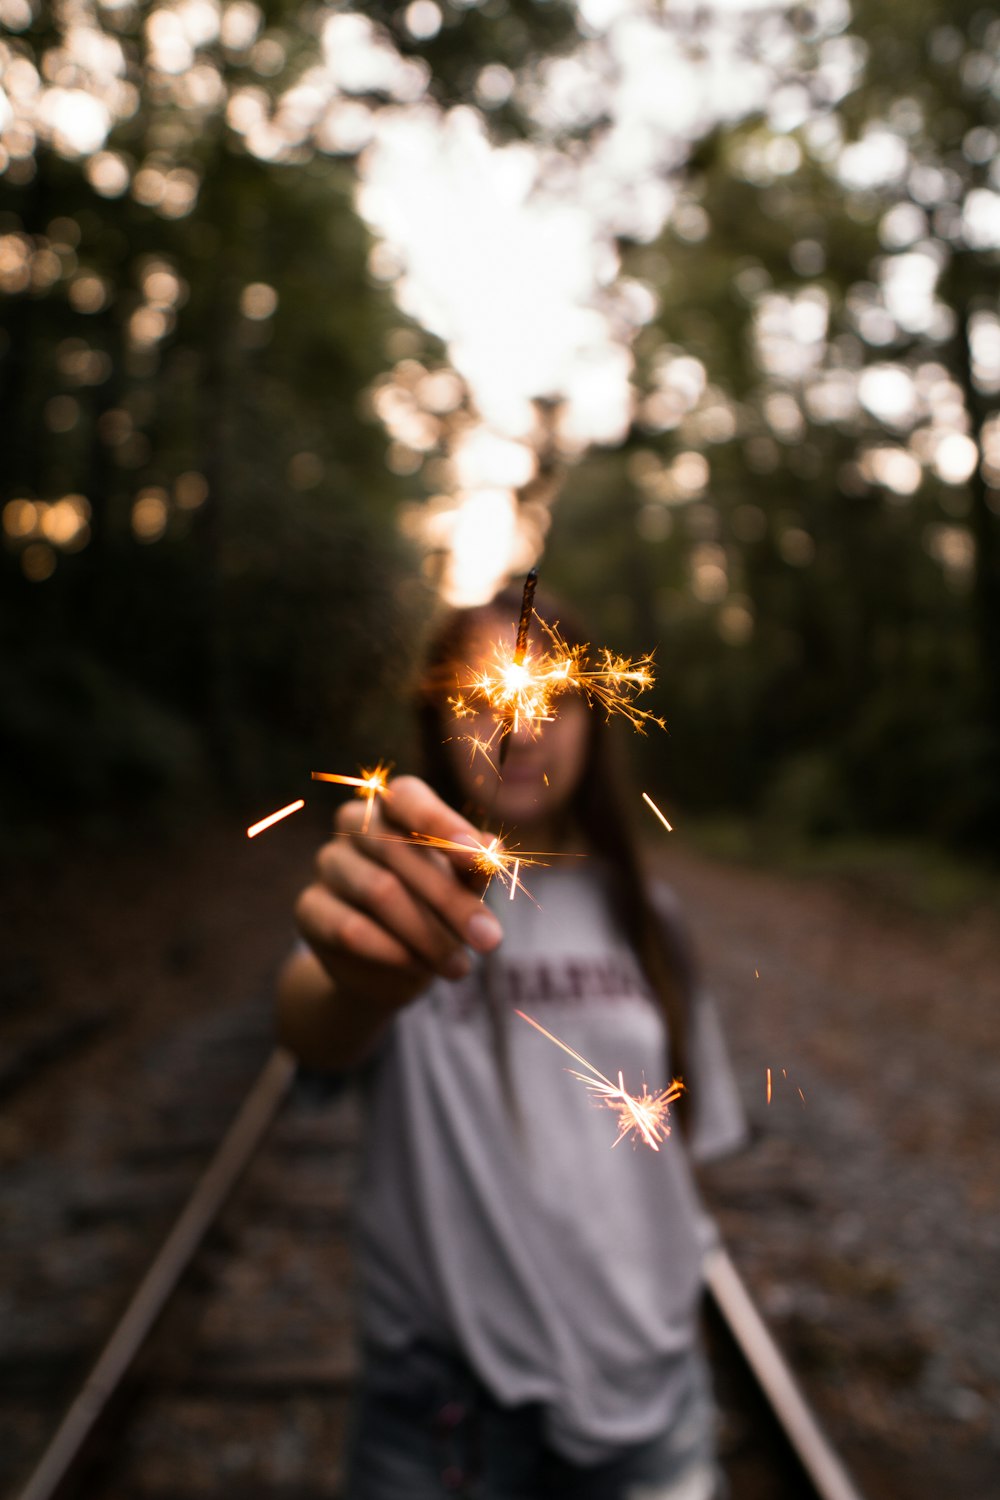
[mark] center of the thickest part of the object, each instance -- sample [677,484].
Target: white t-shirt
[564,1272]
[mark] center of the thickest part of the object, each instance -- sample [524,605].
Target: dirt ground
[865,1215]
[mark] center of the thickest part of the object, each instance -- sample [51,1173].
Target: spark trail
[643,1116]
[275,817]
[369,785]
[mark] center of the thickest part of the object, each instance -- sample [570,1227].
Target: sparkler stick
[643,1116]
[649,801]
[527,600]
[370,784]
[275,817]
[520,651]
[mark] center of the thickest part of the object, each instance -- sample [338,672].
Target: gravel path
[866,1215]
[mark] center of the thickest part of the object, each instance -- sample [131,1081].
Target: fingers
[426,874]
[413,807]
[422,908]
[386,912]
[329,924]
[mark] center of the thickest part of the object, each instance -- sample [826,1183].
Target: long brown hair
[600,808]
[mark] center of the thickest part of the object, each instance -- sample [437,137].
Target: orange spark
[520,687]
[784,1074]
[643,1116]
[650,803]
[275,817]
[482,747]
[370,784]
[490,859]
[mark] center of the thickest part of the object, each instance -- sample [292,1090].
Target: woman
[529,1296]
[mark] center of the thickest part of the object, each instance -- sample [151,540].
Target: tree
[817,438]
[201,571]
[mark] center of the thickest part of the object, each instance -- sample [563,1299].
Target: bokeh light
[150,514]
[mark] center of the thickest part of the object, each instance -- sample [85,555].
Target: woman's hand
[385,916]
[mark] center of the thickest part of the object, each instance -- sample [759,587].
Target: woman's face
[543,765]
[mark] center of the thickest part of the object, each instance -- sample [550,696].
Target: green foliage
[863,692]
[203,585]
[231,584]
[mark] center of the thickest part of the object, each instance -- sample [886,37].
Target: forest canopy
[308,311]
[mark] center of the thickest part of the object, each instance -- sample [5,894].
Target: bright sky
[507,252]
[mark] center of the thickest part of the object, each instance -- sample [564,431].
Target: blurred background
[312,314]
[302,306]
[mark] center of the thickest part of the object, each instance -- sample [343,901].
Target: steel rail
[229,1161]
[773,1375]
[232,1156]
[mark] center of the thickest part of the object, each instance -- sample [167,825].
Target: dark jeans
[434,1433]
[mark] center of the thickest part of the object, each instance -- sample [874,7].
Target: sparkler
[643,1116]
[370,784]
[275,817]
[520,687]
[490,859]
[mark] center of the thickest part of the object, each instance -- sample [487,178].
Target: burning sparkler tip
[369,785]
[520,687]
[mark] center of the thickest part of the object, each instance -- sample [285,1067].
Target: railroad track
[205,1401]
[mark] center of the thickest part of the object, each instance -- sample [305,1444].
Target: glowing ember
[490,859]
[370,784]
[275,817]
[520,687]
[650,803]
[643,1116]
[784,1074]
